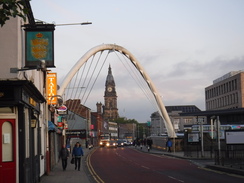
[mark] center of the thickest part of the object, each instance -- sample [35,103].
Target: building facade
[23,118]
[226,92]
[157,122]
[29,142]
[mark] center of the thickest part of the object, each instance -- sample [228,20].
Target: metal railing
[231,158]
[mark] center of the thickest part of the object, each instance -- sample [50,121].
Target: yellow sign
[52,88]
[32,102]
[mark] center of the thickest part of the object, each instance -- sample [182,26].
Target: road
[125,164]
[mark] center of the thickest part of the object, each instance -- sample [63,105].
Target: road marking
[176,179]
[91,170]
[145,167]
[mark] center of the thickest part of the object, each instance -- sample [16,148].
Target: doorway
[7,151]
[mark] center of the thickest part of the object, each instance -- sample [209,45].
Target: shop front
[21,131]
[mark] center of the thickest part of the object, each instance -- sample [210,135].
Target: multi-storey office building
[224,98]
[226,92]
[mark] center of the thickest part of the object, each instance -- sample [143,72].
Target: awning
[51,126]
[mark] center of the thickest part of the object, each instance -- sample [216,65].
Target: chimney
[99,108]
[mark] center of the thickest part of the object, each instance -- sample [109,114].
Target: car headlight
[113,144]
[107,144]
[122,144]
[101,143]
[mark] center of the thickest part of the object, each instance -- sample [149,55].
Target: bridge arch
[162,111]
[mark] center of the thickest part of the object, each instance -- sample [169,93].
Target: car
[103,143]
[127,143]
[112,143]
[120,143]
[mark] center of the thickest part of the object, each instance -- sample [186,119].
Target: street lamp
[83,23]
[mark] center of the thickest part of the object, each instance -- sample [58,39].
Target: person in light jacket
[77,153]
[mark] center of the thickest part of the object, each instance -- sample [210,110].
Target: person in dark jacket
[77,153]
[64,155]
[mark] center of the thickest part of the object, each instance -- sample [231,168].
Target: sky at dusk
[183,45]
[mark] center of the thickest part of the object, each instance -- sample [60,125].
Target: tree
[12,8]
[124,120]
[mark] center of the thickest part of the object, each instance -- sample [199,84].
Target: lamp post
[83,23]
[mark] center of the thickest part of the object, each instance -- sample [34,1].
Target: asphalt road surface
[127,165]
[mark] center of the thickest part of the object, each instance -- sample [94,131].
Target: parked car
[112,143]
[120,143]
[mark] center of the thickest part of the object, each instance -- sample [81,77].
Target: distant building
[178,121]
[127,131]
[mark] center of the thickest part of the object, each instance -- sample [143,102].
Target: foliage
[12,8]
[124,120]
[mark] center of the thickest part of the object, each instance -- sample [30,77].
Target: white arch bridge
[77,79]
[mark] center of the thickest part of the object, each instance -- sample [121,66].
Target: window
[7,142]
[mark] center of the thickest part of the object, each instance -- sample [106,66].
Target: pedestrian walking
[169,144]
[77,153]
[64,155]
[149,144]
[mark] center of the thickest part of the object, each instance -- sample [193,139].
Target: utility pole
[201,133]
[218,137]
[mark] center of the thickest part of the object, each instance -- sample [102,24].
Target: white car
[127,143]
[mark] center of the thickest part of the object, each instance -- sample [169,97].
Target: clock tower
[110,110]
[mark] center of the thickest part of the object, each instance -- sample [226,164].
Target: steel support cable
[80,86]
[149,89]
[137,79]
[72,85]
[91,76]
[146,82]
[83,84]
[66,93]
[88,84]
[85,79]
[97,76]
[74,104]
[143,85]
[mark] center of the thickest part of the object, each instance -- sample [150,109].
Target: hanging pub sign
[39,45]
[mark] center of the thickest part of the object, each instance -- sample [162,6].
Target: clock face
[109,89]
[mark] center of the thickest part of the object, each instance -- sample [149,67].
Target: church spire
[110,78]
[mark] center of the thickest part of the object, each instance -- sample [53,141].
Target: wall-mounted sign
[193,137]
[60,125]
[33,123]
[39,45]
[6,138]
[234,137]
[51,88]
[62,110]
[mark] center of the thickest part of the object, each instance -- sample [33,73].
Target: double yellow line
[91,170]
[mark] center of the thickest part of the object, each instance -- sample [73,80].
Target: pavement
[57,175]
[70,175]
